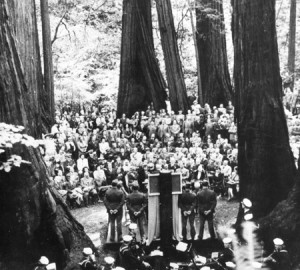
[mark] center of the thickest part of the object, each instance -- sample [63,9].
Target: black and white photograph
[149,134]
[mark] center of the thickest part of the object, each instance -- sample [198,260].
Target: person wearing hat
[127,258]
[279,259]
[114,200]
[88,261]
[206,201]
[187,203]
[136,205]
[246,205]
[42,263]
[108,263]
[227,254]
[174,266]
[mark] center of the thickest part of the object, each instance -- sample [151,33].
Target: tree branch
[57,27]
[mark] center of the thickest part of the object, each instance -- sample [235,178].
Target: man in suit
[114,200]
[187,204]
[136,204]
[207,201]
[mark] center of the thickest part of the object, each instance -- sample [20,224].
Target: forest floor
[95,220]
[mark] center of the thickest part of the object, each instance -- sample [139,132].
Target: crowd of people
[88,149]
[93,156]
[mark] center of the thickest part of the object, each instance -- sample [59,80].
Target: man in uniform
[127,259]
[136,204]
[114,200]
[187,203]
[207,201]
[227,254]
[279,259]
[246,205]
[88,261]
[108,263]
[42,263]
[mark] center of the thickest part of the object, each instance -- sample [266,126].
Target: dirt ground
[95,221]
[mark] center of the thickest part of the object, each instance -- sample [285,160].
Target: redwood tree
[211,41]
[34,220]
[48,63]
[176,84]
[266,163]
[292,41]
[24,27]
[141,81]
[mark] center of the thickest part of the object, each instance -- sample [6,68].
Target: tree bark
[211,43]
[141,81]
[176,84]
[292,41]
[34,220]
[199,82]
[266,163]
[48,63]
[22,15]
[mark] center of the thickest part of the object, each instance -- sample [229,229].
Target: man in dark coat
[187,204]
[136,204]
[114,200]
[206,201]
[279,259]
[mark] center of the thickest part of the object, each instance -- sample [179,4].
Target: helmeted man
[114,200]
[88,261]
[136,205]
[206,201]
[187,203]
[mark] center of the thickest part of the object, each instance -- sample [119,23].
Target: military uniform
[187,203]
[137,202]
[206,200]
[114,200]
[87,264]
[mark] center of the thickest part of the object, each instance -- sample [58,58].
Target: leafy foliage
[9,136]
[86,52]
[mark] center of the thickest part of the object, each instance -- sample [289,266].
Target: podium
[164,216]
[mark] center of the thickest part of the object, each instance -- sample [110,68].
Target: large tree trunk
[266,163]
[48,98]
[292,41]
[141,81]
[22,16]
[211,42]
[176,84]
[199,82]
[34,220]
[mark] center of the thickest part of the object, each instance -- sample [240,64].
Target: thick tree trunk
[176,84]
[199,82]
[15,97]
[266,163]
[22,15]
[34,220]
[141,81]
[292,41]
[48,97]
[211,42]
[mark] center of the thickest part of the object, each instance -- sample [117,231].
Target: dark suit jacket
[187,201]
[114,199]
[136,201]
[206,200]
